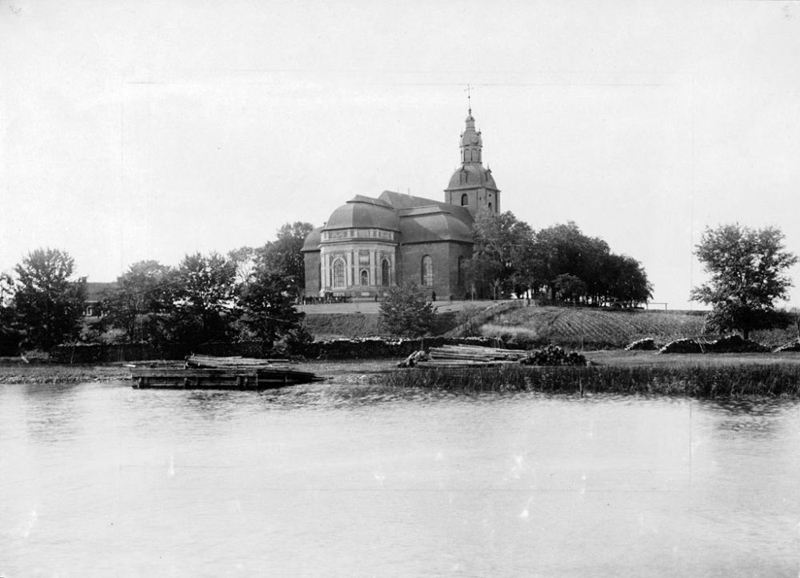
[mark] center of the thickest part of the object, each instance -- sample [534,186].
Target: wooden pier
[227,373]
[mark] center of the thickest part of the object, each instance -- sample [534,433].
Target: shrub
[406,312]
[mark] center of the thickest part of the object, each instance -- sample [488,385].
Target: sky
[138,129]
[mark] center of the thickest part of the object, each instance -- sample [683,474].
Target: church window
[490,206]
[338,273]
[364,277]
[461,271]
[385,272]
[464,200]
[426,273]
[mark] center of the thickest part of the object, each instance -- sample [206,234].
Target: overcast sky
[136,129]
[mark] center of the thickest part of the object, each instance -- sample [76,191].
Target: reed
[734,380]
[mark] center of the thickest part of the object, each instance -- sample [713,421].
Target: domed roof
[312,241]
[470,176]
[364,213]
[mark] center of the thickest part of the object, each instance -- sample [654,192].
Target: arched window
[490,206]
[461,271]
[364,277]
[338,273]
[385,272]
[426,273]
[464,200]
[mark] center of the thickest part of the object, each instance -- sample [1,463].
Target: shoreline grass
[61,374]
[708,382]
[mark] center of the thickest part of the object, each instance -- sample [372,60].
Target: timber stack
[463,356]
[208,372]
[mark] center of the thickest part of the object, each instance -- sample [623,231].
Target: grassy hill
[591,328]
[361,324]
[573,327]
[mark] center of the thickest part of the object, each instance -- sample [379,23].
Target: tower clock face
[475,139]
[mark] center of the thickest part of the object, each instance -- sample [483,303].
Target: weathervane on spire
[469,98]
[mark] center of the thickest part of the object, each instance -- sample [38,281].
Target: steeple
[471,142]
[471,185]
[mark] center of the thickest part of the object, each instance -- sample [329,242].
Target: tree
[562,253]
[565,250]
[142,293]
[501,257]
[48,303]
[747,275]
[9,332]
[406,312]
[627,281]
[569,287]
[284,257]
[267,307]
[202,304]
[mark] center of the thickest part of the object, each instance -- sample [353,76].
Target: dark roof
[364,213]
[470,176]
[94,289]
[401,201]
[312,241]
[418,219]
[431,224]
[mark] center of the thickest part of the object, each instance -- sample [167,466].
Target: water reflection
[348,478]
[753,417]
[53,414]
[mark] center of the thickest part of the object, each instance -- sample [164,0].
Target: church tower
[472,186]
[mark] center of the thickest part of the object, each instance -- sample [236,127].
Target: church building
[371,243]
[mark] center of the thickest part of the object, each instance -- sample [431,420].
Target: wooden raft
[207,372]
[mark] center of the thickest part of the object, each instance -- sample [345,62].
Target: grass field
[574,327]
[590,328]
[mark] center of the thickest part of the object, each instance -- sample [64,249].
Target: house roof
[94,289]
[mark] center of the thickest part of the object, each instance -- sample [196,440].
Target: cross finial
[469,98]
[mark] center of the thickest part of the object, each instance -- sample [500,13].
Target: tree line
[250,293]
[558,262]
[247,295]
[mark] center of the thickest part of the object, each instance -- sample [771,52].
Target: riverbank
[48,373]
[621,372]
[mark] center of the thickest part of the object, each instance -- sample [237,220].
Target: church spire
[472,186]
[471,142]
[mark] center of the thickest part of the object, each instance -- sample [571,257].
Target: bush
[406,311]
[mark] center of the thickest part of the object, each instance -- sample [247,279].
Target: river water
[342,479]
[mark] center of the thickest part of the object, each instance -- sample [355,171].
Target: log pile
[465,356]
[234,362]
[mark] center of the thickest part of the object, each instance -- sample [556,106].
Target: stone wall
[369,348]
